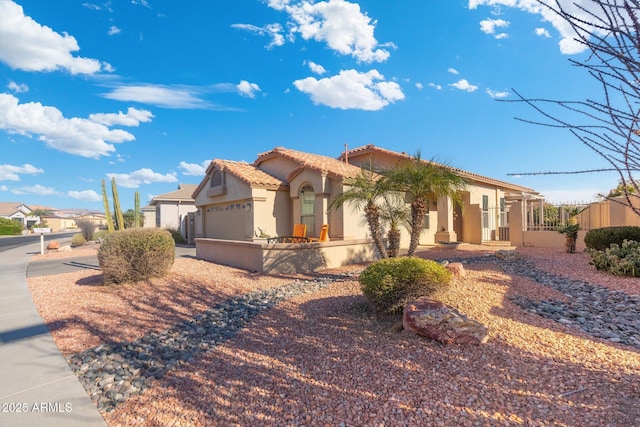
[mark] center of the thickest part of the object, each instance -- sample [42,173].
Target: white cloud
[542,32]
[17,88]
[11,172]
[435,86]
[497,94]
[181,97]
[338,23]
[488,26]
[133,117]
[248,89]
[580,9]
[352,90]
[141,176]
[113,30]
[419,86]
[85,195]
[29,46]
[272,30]
[36,189]
[194,169]
[78,136]
[464,85]
[453,71]
[316,68]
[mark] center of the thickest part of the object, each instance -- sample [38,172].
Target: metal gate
[495,224]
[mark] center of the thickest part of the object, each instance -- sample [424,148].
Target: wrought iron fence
[540,216]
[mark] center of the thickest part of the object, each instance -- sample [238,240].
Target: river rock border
[112,373]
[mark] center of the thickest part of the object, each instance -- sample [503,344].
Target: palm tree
[364,191]
[424,181]
[393,212]
[570,229]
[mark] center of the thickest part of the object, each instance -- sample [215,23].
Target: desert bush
[78,240]
[9,227]
[391,283]
[602,238]
[136,254]
[620,260]
[87,228]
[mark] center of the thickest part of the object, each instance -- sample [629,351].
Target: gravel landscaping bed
[212,345]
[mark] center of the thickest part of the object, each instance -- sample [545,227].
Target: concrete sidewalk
[37,387]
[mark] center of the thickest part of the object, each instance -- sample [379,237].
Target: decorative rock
[54,244]
[441,323]
[457,269]
[507,255]
[65,248]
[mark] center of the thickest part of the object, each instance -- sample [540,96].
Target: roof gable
[323,164]
[182,194]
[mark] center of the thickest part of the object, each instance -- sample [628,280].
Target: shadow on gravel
[329,361]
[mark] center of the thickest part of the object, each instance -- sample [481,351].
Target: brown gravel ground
[324,359]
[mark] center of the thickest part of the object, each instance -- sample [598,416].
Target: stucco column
[445,231]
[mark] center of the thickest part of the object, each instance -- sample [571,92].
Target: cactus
[105,200]
[136,210]
[116,206]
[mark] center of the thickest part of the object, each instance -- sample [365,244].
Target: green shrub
[101,234]
[391,283]
[9,227]
[602,238]
[78,240]
[620,260]
[177,236]
[136,254]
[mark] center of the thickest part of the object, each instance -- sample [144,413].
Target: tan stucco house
[283,187]
[171,209]
[239,204]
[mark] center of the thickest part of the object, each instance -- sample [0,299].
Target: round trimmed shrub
[391,283]
[602,238]
[78,240]
[136,254]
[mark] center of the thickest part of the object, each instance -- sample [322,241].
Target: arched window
[308,209]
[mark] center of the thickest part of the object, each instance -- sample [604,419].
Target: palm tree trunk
[373,219]
[418,212]
[393,240]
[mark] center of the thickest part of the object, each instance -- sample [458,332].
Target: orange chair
[324,234]
[300,230]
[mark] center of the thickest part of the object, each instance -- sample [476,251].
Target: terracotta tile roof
[324,164]
[370,148]
[183,193]
[248,173]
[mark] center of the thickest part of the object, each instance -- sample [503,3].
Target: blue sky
[150,91]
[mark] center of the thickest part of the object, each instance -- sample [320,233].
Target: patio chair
[324,234]
[300,230]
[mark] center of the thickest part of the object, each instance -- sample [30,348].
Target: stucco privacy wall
[285,258]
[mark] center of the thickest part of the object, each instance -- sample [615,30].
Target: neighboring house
[283,187]
[172,209]
[18,212]
[61,219]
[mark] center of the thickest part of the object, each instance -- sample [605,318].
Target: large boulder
[442,323]
[53,245]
